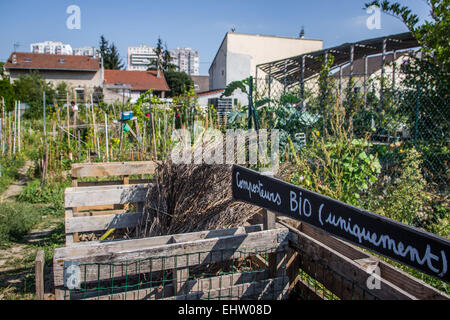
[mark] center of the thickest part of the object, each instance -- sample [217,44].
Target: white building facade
[240,53]
[51,47]
[85,51]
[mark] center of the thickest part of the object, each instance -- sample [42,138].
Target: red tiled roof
[138,80]
[41,61]
[207,93]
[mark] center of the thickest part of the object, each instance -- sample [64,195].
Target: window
[80,94]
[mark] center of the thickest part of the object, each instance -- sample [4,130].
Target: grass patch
[9,168]
[51,193]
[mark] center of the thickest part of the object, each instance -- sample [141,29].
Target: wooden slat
[270,289]
[204,284]
[81,249]
[165,256]
[108,169]
[105,222]
[39,275]
[334,270]
[401,279]
[69,236]
[92,196]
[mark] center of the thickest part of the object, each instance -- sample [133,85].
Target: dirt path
[16,187]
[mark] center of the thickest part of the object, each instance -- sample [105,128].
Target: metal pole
[365,81]
[270,81]
[302,82]
[250,85]
[383,61]
[394,58]
[352,55]
[416,127]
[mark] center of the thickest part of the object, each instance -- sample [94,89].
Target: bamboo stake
[15,126]
[106,137]
[68,129]
[18,129]
[9,134]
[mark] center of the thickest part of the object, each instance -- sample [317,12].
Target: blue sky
[198,24]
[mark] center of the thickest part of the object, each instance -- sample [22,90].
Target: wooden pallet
[103,205]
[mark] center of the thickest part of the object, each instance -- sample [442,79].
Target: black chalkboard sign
[413,247]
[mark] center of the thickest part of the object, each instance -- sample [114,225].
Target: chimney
[302,33]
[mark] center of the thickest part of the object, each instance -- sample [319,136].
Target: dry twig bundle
[189,198]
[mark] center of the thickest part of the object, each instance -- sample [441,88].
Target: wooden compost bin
[278,259]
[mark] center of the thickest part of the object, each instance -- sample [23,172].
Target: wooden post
[39,275]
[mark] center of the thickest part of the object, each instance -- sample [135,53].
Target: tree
[29,89]
[433,35]
[7,92]
[110,55]
[178,82]
[3,74]
[163,60]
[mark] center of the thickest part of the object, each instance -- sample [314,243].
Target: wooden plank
[269,289]
[332,265]
[39,275]
[105,222]
[81,249]
[401,279]
[108,169]
[113,182]
[196,285]
[85,196]
[97,265]
[69,236]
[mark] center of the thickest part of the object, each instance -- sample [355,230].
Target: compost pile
[189,198]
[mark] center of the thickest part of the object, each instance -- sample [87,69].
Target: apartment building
[187,60]
[51,47]
[140,57]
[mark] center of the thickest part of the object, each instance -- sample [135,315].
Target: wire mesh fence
[187,276]
[395,108]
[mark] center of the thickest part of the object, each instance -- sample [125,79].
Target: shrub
[16,220]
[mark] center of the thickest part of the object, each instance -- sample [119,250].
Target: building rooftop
[138,80]
[41,61]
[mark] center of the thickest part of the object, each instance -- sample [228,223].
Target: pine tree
[110,55]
